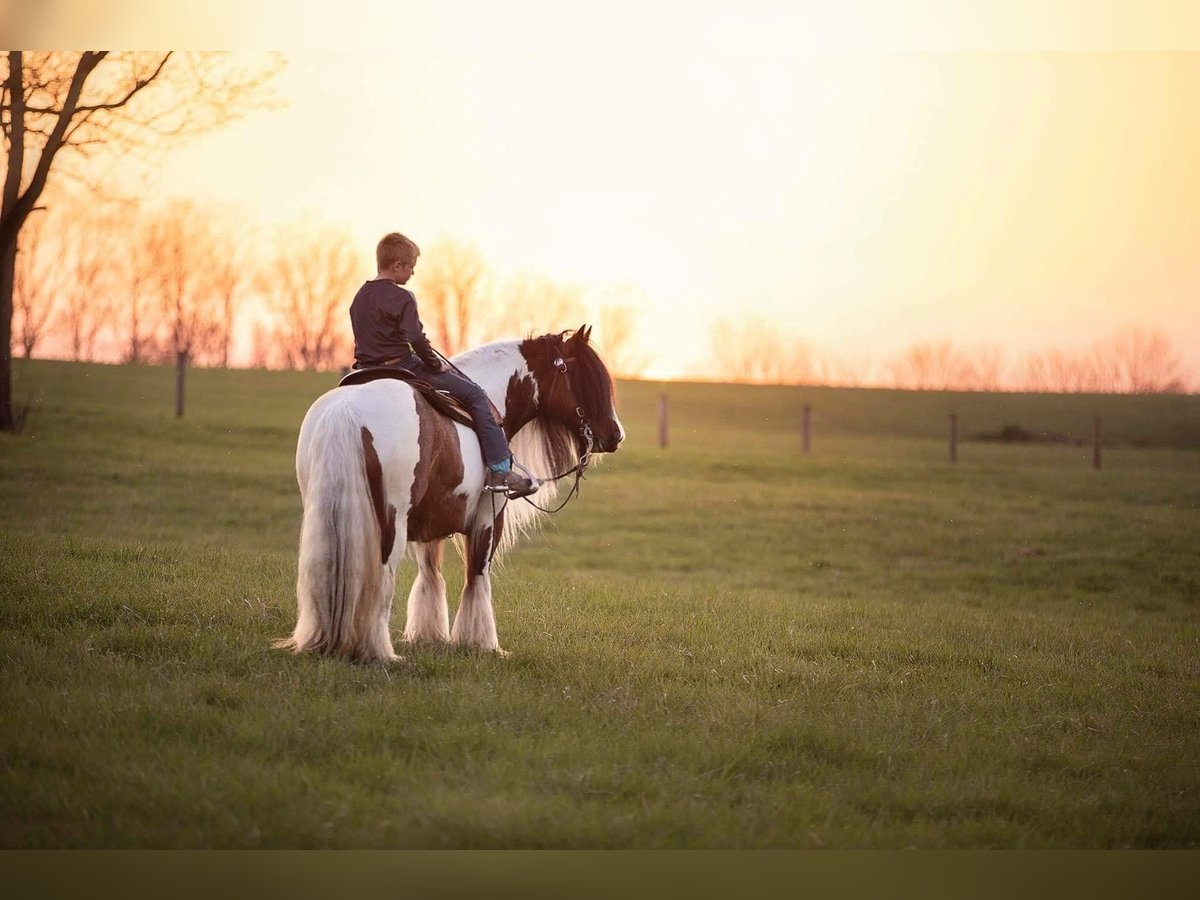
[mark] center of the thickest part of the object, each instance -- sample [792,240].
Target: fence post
[662,420]
[806,428]
[181,359]
[953,437]
[1096,442]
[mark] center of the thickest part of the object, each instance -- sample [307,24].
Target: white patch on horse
[492,366]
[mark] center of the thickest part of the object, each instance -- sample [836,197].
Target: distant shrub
[1018,434]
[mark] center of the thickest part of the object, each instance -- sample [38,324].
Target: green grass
[724,644]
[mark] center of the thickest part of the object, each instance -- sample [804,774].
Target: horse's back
[381,412]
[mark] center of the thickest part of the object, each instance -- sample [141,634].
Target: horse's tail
[343,586]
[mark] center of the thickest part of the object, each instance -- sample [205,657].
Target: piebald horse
[380,470]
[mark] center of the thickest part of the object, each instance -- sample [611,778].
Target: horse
[380,470]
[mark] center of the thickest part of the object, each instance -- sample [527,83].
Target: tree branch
[15,214]
[138,85]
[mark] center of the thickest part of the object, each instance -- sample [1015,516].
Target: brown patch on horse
[520,399]
[479,551]
[497,527]
[481,545]
[553,397]
[385,513]
[436,511]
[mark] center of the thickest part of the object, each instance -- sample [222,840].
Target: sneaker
[513,484]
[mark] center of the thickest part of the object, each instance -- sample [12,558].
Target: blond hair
[394,248]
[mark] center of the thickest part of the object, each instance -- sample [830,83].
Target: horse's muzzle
[609,441]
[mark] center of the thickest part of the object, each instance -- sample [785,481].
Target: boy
[388,332]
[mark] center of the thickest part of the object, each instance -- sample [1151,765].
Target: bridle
[584,430]
[559,361]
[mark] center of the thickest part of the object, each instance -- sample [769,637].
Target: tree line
[1135,360]
[147,285]
[118,282]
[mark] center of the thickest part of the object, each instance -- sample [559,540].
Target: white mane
[536,446]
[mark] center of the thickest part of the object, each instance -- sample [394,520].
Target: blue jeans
[491,437]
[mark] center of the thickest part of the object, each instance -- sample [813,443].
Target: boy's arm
[414,333]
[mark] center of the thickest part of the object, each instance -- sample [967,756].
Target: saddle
[439,400]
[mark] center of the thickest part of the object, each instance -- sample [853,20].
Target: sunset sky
[861,200]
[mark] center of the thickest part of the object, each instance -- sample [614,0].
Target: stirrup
[533,481]
[512,493]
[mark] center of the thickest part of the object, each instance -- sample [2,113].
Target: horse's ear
[584,334]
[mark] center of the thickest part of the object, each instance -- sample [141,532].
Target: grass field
[723,644]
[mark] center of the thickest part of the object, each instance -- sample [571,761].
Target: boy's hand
[441,366]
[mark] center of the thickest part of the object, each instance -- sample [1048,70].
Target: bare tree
[177,240]
[933,365]
[68,104]
[1056,370]
[34,285]
[136,324]
[262,346]
[308,287]
[941,366]
[1034,374]
[756,351]
[450,282]
[1141,361]
[1133,361]
[86,255]
[227,277]
[745,352]
[989,368]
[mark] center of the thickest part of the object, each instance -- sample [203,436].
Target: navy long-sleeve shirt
[386,325]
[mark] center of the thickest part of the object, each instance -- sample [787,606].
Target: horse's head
[575,389]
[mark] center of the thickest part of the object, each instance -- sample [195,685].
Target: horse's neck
[494,367]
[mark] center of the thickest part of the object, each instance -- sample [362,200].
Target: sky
[821,172]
